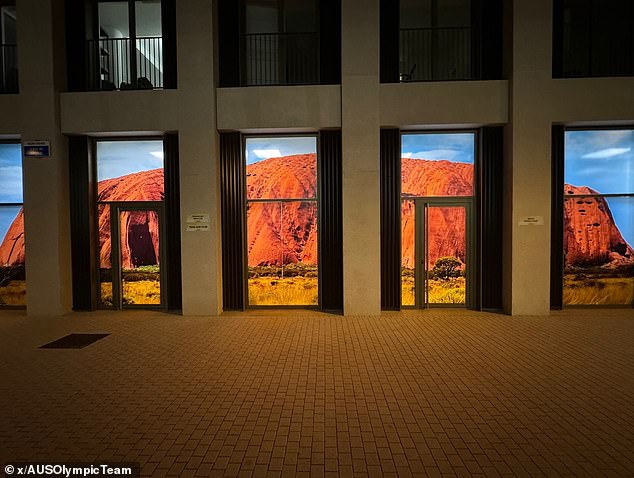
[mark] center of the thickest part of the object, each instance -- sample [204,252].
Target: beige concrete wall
[528,291]
[413,105]
[47,226]
[360,120]
[279,107]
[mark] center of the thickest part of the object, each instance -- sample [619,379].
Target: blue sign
[36,149]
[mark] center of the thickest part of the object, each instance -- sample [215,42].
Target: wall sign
[197,222]
[532,221]
[36,149]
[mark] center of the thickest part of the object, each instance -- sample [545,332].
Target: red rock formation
[142,227]
[12,247]
[591,237]
[446,225]
[282,233]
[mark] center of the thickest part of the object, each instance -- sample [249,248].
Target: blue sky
[118,158]
[10,184]
[258,149]
[10,173]
[604,161]
[455,147]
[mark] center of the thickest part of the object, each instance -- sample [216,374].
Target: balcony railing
[8,69]
[114,65]
[431,54]
[280,59]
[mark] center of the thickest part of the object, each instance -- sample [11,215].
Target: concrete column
[528,168]
[198,144]
[360,119]
[47,224]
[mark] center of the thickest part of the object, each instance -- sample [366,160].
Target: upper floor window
[593,38]
[127,52]
[8,50]
[121,44]
[279,42]
[438,40]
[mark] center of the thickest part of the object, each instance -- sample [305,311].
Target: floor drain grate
[74,341]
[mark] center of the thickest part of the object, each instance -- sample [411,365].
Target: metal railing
[117,64]
[595,59]
[8,69]
[428,54]
[280,59]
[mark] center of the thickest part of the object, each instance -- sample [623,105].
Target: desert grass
[452,291]
[143,292]
[296,290]
[588,290]
[14,293]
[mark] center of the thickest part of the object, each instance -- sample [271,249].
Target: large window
[12,251]
[130,195]
[599,217]
[435,40]
[282,237]
[280,41]
[436,190]
[594,38]
[8,50]
[127,53]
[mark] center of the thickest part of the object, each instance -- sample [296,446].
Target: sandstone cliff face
[446,225]
[139,230]
[12,247]
[591,238]
[282,233]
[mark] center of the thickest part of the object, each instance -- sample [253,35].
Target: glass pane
[453,13]
[598,254]
[10,173]
[130,170]
[8,17]
[301,16]
[12,258]
[262,16]
[140,268]
[408,253]
[415,14]
[282,253]
[105,263]
[437,164]
[281,168]
[599,162]
[149,44]
[113,20]
[446,238]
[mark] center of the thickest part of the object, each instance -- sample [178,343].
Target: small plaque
[36,149]
[532,221]
[197,222]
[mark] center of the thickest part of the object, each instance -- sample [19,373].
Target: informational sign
[197,222]
[36,149]
[532,221]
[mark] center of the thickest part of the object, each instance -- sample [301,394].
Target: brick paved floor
[417,393]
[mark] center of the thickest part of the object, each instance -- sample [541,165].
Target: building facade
[206,86]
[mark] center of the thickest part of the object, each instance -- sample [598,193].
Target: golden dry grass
[440,292]
[288,291]
[143,292]
[14,293]
[598,291]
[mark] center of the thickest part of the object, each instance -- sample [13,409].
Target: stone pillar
[360,119]
[528,161]
[198,151]
[46,191]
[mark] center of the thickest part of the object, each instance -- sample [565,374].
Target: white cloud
[406,155]
[606,153]
[438,154]
[267,153]
[157,154]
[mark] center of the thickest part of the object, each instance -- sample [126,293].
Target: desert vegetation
[446,282]
[294,284]
[599,286]
[140,286]
[12,285]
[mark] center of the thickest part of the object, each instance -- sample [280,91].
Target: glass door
[443,254]
[136,253]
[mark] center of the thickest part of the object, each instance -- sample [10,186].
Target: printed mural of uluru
[282,233]
[289,233]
